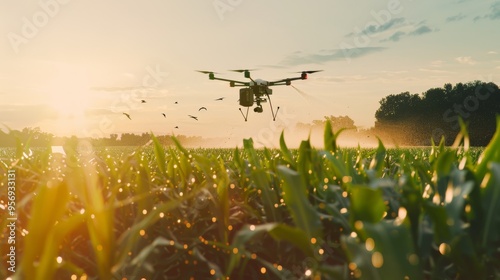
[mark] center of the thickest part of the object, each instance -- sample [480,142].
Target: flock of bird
[165,115]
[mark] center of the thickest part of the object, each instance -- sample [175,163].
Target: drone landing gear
[271,105]
[244,116]
[258,109]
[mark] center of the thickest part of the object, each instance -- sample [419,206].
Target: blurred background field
[167,212]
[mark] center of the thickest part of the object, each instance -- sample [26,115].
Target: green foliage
[415,119]
[159,212]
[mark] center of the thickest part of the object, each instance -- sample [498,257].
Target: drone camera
[258,109]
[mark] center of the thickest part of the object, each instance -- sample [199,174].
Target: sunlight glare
[68,94]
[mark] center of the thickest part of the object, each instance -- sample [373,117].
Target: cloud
[398,35]
[465,60]
[494,12]
[374,29]
[27,113]
[346,53]
[458,17]
[395,37]
[421,30]
[393,30]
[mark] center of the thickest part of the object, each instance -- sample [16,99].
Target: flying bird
[143,101]
[128,116]
[220,98]
[164,115]
[176,127]
[193,117]
[176,102]
[202,108]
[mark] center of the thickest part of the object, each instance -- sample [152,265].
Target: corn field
[157,212]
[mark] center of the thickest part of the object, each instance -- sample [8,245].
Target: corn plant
[167,212]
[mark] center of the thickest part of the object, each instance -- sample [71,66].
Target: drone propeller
[242,70]
[206,72]
[246,72]
[309,71]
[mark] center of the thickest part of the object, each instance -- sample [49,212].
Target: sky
[73,67]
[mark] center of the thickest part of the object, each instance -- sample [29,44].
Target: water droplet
[377,260]
[369,244]
[444,249]
[358,225]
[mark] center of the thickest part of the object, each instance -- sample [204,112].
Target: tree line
[34,137]
[414,119]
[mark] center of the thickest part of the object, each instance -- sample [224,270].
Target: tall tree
[413,119]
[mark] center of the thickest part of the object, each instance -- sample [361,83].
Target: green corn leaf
[279,232]
[491,206]
[330,138]
[377,162]
[490,154]
[287,155]
[367,204]
[393,253]
[160,155]
[262,182]
[295,196]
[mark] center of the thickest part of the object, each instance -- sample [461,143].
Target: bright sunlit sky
[74,66]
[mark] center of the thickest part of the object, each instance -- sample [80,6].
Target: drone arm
[233,83]
[285,82]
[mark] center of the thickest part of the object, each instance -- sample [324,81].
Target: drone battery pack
[246,97]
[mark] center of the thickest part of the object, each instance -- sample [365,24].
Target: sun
[69,97]
[69,104]
[69,93]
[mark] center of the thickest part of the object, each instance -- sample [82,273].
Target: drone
[257,91]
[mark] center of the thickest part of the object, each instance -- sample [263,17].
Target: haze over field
[74,67]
